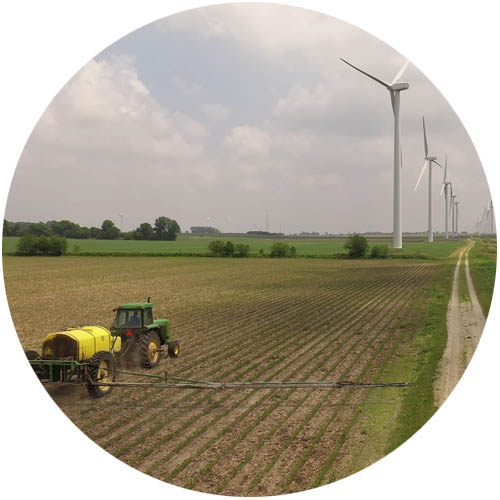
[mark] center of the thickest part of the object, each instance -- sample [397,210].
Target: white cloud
[105,129]
[248,141]
[260,27]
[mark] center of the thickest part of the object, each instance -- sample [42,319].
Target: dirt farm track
[237,320]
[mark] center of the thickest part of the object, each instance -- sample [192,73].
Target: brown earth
[236,320]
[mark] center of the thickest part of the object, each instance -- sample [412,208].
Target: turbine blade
[425,139]
[445,168]
[386,85]
[421,175]
[400,72]
[442,189]
[437,163]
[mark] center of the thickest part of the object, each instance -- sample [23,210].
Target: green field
[319,246]
[483,265]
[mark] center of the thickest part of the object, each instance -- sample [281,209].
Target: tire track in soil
[465,325]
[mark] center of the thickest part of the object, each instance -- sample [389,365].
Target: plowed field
[236,320]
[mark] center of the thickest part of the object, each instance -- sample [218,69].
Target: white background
[455,43]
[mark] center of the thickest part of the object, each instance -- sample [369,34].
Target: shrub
[261,252]
[242,250]
[379,251]
[228,249]
[293,252]
[27,245]
[216,247]
[57,245]
[356,246]
[280,249]
[30,244]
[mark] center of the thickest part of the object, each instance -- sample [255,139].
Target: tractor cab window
[148,316]
[128,318]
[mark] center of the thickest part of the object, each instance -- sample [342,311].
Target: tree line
[164,228]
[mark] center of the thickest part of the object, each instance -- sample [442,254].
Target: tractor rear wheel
[173,349]
[149,349]
[101,368]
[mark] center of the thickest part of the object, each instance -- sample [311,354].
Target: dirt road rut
[465,325]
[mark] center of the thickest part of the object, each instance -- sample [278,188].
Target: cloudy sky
[221,115]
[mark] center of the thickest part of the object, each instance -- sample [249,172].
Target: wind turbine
[394,89]
[456,217]
[452,210]
[428,163]
[445,190]
[492,218]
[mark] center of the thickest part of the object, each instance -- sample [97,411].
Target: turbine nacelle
[397,87]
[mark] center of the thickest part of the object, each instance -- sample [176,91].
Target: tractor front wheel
[173,349]
[149,349]
[101,369]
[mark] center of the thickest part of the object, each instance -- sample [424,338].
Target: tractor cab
[134,316]
[139,331]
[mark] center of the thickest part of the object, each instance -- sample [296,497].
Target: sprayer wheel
[101,368]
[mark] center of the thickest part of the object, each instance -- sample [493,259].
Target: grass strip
[429,345]
[483,265]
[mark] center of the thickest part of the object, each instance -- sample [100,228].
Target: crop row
[197,435]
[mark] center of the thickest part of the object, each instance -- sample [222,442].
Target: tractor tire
[32,355]
[173,349]
[149,349]
[101,368]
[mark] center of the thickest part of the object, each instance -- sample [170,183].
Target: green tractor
[142,336]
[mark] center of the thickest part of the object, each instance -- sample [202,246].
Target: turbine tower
[452,210]
[492,218]
[428,163]
[445,190]
[394,89]
[456,217]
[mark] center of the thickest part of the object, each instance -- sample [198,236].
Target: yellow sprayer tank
[80,343]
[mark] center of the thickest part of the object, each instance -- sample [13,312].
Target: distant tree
[216,247]
[9,228]
[228,249]
[94,232]
[204,230]
[261,252]
[242,250]
[144,232]
[69,229]
[280,249]
[293,252]
[166,229]
[38,229]
[356,246]
[379,251]
[108,231]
